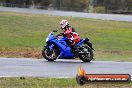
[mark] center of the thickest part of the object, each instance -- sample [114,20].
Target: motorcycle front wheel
[50,55]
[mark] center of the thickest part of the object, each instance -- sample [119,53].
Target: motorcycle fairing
[81,42]
[65,50]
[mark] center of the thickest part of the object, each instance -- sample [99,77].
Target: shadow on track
[68,61]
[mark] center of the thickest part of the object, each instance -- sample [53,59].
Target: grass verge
[23,82]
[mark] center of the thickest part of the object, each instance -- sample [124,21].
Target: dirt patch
[37,53]
[26,54]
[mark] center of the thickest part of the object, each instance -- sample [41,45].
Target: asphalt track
[19,67]
[114,17]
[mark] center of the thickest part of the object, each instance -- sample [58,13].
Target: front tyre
[87,56]
[50,55]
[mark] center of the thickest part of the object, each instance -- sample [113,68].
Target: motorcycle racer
[70,33]
[57,48]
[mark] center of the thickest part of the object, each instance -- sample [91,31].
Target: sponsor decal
[83,78]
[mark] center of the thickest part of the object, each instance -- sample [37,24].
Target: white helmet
[64,23]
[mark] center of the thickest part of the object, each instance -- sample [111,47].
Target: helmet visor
[62,26]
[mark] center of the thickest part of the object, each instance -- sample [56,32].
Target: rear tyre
[88,56]
[50,55]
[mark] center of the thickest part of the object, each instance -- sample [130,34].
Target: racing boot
[74,49]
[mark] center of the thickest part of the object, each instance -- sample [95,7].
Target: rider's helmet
[63,24]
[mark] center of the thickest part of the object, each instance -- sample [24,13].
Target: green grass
[22,82]
[27,31]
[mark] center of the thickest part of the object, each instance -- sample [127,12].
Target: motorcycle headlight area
[47,39]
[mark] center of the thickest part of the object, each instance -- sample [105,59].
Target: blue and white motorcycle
[58,48]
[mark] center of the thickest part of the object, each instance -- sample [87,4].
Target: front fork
[50,48]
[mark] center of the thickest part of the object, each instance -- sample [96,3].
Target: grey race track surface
[127,18]
[18,67]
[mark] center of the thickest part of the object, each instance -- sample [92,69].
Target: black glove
[61,34]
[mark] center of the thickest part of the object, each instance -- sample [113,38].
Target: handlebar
[54,30]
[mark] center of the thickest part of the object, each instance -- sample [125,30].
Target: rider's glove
[61,34]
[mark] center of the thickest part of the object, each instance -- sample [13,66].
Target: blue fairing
[65,50]
[61,44]
[81,42]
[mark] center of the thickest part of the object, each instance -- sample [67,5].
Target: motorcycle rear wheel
[50,56]
[88,56]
